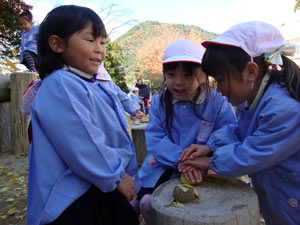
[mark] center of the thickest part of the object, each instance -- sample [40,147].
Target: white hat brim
[182,58]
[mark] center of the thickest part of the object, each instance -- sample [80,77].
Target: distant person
[82,163]
[184,114]
[134,95]
[28,41]
[249,64]
[144,93]
[126,103]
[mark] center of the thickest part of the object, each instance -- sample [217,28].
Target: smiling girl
[184,114]
[82,165]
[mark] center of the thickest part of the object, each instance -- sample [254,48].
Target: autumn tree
[151,53]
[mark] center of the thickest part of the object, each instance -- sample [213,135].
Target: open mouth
[96,61]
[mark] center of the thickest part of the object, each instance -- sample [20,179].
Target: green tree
[10,34]
[113,62]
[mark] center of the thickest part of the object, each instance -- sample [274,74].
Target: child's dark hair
[219,61]
[64,21]
[26,14]
[166,96]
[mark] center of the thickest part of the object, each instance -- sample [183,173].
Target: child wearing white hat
[125,102]
[134,96]
[249,64]
[183,114]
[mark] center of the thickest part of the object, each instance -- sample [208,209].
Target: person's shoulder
[280,96]
[215,96]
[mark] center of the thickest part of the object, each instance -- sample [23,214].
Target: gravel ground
[13,189]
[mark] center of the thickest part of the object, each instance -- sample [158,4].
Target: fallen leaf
[4,189]
[9,199]
[12,211]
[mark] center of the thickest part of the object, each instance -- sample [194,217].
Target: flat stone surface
[222,201]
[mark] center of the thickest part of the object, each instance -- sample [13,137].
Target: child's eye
[170,74]
[188,74]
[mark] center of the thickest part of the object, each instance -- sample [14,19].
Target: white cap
[132,89]
[255,38]
[102,73]
[183,51]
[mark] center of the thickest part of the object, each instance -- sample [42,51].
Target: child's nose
[179,80]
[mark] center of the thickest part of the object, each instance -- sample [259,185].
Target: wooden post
[4,88]
[138,138]
[222,201]
[18,83]
[5,128]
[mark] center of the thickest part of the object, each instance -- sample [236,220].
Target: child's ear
[251,70]
[56,44]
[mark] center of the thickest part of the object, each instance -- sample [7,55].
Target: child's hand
[194,151]
[194,175]
[126,187]
[139,114]
[201,162]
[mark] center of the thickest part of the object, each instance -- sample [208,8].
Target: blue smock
[29,41]
[126,103]
[265,145]
[79,139]
[187,128]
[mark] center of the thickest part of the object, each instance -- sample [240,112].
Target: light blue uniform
[266,145]
[79,139]
[135,99]
[29,41]
[126,103]
[187,129]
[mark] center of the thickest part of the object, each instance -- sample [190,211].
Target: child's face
[237,91]
[181,83]
[85,52]
[25,23]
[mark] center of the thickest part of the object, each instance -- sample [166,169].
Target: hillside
[144,44]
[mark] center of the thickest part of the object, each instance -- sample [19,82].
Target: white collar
[78,72]
[260,92]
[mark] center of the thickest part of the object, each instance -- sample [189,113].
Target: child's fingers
[187,168]
[197,175]
[186,153]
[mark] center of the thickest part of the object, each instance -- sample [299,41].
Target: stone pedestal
[222,201]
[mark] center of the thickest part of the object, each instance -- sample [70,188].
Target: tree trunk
[222,201]
[19,82]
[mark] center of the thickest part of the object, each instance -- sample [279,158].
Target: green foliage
[10,35]
[113,62]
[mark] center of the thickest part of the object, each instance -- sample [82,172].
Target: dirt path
[13,189]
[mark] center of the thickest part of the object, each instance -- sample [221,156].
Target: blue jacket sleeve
[274,139]
[130,106]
